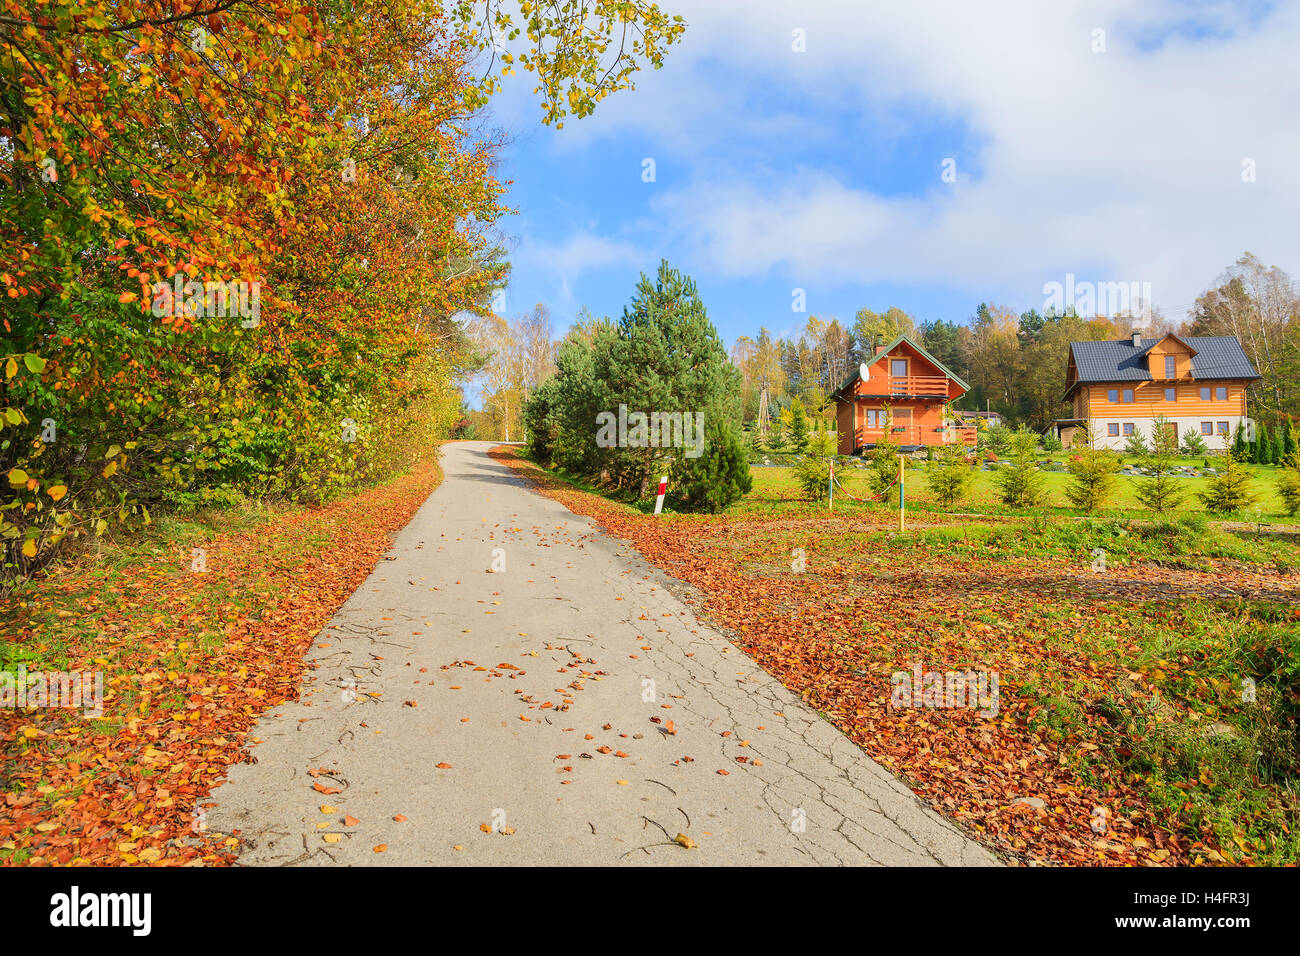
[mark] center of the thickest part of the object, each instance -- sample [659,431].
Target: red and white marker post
[659,500]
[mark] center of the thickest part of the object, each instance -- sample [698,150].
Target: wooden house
[902,387]
[1198,383]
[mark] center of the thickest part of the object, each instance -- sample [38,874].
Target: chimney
[1137,338]
[877,345]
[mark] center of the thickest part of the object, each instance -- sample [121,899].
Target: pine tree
[882,460]
[1161,491]
[1240,447]
[668,358]
[798,426]
[1093,473]
[1229,490]
[1136,445]
[813,470]
[1193,444]
[1288,480]
[718,477]
[663,373]
[1021,485]
[949,477]
[776,431]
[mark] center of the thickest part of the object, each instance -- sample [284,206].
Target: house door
[903,420]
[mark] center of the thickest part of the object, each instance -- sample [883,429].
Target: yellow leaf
[57,491]
[11,368]
[17,477]
[29,547]
[110,469]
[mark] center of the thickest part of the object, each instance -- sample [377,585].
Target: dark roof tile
[1217,356]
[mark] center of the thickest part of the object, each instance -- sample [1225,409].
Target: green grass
[775,489]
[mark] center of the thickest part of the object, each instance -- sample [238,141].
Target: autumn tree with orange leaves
[236,237]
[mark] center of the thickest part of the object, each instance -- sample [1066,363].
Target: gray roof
[1217,356]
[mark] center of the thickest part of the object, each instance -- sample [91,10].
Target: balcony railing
[918,435]
[964,434]
[907,386]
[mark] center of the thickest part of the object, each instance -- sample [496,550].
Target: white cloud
[1117,165]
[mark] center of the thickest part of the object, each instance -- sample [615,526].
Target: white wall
[1146,427]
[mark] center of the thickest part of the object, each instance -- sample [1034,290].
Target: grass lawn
[1148,707]
[775,488]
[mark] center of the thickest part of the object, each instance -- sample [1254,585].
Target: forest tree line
[1014,362]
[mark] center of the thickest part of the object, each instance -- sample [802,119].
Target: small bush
[1228,491]
[813,470]
[798,426]
[1093,480]
[1193,444]
[716,479]
[1021,485]
[1161,492]
[882,461]
[950,477]
[1136,445]
[1288,485]
[996,439]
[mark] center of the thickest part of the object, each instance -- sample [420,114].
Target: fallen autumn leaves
[190,662]
[1058,637]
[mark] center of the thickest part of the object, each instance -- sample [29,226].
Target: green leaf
[35,364]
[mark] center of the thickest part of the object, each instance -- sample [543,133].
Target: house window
[1112,394]
[1171,366]
[1205,393]
[875,418]
[1112,429]
[1128,428]
[1171,395]
[1207,428]
[1223,428]
[1221,393]
[1128,394]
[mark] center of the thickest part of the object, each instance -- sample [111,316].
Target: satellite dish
[862,371]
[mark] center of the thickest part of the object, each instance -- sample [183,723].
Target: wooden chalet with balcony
[906,389]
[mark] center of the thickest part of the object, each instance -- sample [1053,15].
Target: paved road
[459,697]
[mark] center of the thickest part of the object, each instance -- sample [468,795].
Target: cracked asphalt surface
[534,700]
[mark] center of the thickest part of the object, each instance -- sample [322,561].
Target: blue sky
[778,169]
